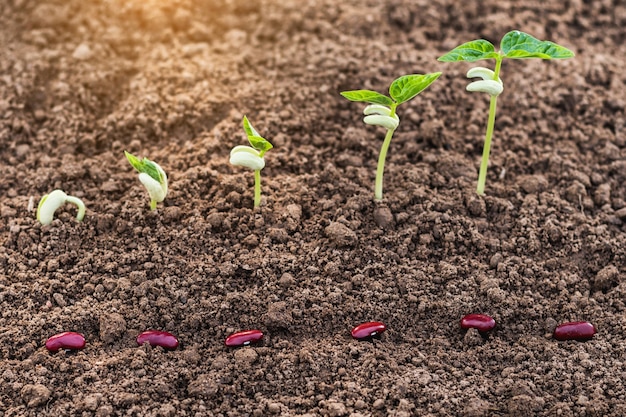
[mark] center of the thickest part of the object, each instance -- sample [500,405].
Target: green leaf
[519,45]
[260,143]
[408,86]
[257,141]
[247,126]
[470,52]
[134,161]
[144,165]
[367,96]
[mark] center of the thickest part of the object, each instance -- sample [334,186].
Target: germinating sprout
[382,112]
[251,157]
[514,45]
[151,176]
[50,203]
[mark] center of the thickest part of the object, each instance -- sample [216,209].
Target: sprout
[514,45]
[151,176]
[382,112]
[50,203]
[252,156]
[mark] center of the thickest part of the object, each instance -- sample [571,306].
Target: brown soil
[81,81]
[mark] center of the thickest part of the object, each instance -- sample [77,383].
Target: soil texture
[83,80]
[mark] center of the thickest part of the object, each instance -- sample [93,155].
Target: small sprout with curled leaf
[50,203]
[152,176]
[381,111]
[514,45]
[252,156]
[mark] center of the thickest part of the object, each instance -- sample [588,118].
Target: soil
[82,81]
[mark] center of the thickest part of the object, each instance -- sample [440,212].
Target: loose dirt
[82,81]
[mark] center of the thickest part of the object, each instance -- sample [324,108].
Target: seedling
[50,203]
[382,112]
[514,45]
[151,176]
[252,156]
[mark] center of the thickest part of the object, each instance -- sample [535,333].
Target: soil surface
[82,81]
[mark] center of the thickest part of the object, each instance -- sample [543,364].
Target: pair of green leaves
[515,45]
[401,90]
[257,141]
[146,166]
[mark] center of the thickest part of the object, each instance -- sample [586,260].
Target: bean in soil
[481,322]
[158,338]
[243,338]
[574,330]
[65,340]
[368,330]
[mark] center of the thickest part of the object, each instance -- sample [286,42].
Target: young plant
[382,112]
[50,203]
[151,176]
[252,156]
[514,45]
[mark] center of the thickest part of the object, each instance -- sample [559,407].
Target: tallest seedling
[514,45]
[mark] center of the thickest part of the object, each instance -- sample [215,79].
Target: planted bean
[158,338]
[65,340]
[575,330]
[244,338]
[368,330]
[481,322]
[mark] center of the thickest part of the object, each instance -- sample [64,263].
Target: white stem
[50,203]
[79,204]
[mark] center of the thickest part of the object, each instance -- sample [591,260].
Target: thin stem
[378,190]
[380,169]
[482,174]
[78,203]
[257,188]
[153,204]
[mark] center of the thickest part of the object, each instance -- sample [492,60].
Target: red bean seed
[575,330]
[480,322]
[158,338]
[367,330]
[244,338]
[65,340]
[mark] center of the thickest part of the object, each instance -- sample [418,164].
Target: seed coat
[481,322]
[575,330]
[243,338]
[368,330]
[158,338]
[65,340]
